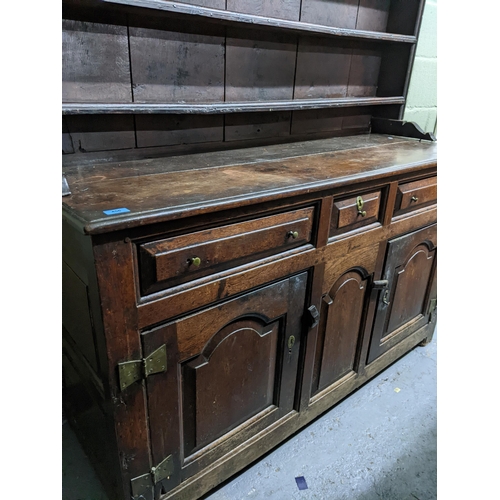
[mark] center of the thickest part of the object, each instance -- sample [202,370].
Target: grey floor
[379,443]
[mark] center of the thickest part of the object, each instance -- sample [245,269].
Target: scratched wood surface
[164,195]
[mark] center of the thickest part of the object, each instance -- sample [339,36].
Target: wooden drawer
[416,194]
[355,211]
[175,260]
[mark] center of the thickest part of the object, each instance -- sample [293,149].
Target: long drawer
[172,261]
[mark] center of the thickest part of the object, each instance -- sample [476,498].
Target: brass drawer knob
[195,261]
[414,198]
[359,205]
[293,234]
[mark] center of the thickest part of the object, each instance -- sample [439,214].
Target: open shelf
[224,107]
[261,21]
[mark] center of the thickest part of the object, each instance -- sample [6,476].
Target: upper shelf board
[262,21]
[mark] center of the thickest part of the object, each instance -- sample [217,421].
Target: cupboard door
[231,373]
[403,305]
[343,307]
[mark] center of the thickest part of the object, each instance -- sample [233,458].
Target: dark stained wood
[225,108]
[76,316]
[281,9]
[413,195]
[95,62]
[338,13]
[342,314]
[373,14]
[310,122]
[256,125]
[67,143]
[242,351]
[168,130]
[177,62]
[249,358]
[217,155]
[259,67]
[363,74]
[113,262]
[185,299]
[322,69]
[346,215]
[402,308]
[168,262]
[399,127]
[231,186]
[101,133]
[389,206]
[320,26]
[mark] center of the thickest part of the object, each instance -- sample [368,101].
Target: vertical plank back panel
[176,62]
[315,120]
[95,62]
[169,130]
[322,69]
[336,13]
[282,9]
[363,74]
[259,66]
[101,133]
[257,125]
[373,15]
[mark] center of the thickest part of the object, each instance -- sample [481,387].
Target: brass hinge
[131,371]
[143,486]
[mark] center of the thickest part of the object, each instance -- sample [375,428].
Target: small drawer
[355,211]
[412,195]
[172,261]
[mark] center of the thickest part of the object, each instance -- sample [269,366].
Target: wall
[421,104]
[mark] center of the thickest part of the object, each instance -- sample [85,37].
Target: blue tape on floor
[301,483]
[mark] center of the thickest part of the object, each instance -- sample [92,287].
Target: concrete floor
[379,443]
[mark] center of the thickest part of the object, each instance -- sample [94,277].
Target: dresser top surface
[146,191]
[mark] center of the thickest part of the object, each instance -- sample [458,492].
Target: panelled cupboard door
[346,291]
[403,306]
[231,374]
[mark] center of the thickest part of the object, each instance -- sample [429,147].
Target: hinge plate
[163,470]
[132,371]
[143,486]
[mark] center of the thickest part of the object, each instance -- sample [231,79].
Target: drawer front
[175,260]
[412,195]
[355,211]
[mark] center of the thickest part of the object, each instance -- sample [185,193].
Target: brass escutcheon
[359,205]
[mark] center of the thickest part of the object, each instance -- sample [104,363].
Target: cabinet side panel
[76,314]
